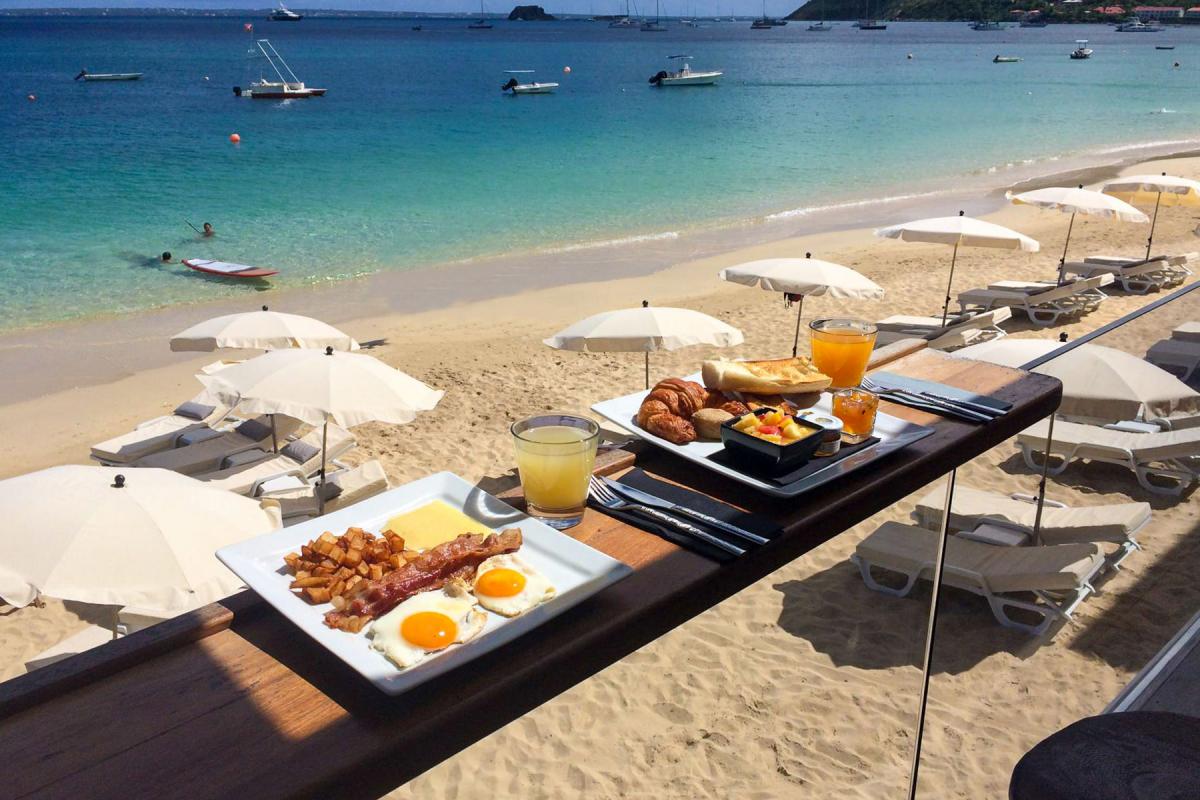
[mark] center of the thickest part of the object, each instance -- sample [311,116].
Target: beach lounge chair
[959,331]
[246,471]
[977,513]
[161,433]
[1173,456]
[1043,303]
[86,639]
[1047,582]
[209,451]
[1137,277]
[1179,356]
[344,488]
[1177,263]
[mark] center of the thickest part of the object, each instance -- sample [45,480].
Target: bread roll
[708,422]
[778,376]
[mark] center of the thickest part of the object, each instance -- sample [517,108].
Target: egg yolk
[500,583]
[429,630]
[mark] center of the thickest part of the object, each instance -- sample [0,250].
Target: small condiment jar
[831,432]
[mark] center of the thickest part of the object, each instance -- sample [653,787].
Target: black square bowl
[763,456]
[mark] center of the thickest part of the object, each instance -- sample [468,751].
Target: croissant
[674,429]
[683,398]
[667,411]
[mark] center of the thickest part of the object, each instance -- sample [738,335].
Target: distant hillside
[940,10]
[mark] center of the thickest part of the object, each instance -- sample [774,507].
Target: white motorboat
[282,89]
[685,76]
[1082,51]
[1135,25]
[533,87]
[284,14]
[108,76]
[986,25]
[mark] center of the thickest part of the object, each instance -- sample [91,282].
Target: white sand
[805,682]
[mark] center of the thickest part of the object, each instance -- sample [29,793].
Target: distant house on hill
[1192,13]
[1158,12]
[1110,11]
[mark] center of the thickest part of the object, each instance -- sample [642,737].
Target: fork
[606,498]
[945,406]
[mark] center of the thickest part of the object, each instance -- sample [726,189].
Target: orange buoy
[235,138]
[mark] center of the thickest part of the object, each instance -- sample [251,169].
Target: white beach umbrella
[1162,190]
[960,231]
[797,277]
[643,330]
[261,330]
[322,387]
[1077,201]
[1099,383]
[92,535]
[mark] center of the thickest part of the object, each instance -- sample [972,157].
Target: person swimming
[208,229]
[165,257]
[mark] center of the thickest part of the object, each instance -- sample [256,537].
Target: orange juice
[555,456]
[841,349]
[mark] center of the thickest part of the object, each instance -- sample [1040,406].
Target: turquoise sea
[415,156]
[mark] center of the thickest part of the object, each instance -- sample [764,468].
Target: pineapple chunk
[792,431]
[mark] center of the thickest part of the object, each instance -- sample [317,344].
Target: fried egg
[426,624]
[508,586]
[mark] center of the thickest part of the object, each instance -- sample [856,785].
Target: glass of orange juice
[841,349]
[555,456]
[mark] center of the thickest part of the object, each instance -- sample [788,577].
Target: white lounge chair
[959,331]
[1059,577]
[344,488]
[160,433]
[1176,355]
[1137,277]
[1177,263]
[1187,332]
[245,472]
[980,510]
[90,637]
[1043,303]
[209,451]
[1170,455]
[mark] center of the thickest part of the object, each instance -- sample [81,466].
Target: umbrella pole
[647,369]
[1153,222]
[949,283]
[1062,262]
[1041,499]
[274,437]
[796,341]
[321,485]
[929,633]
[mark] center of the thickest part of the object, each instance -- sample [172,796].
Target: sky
[702,7]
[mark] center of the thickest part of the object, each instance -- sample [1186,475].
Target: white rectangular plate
[576,570]
[893,432]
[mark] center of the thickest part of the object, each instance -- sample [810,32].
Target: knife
[937,407]
[647,499]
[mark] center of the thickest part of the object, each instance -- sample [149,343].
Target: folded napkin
[724,458]
[891,380]
[754,523]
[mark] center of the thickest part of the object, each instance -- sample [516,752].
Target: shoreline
[978,191]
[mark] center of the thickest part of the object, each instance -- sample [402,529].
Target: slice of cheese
[431,524]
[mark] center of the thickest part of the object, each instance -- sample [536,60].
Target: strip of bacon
[432,569]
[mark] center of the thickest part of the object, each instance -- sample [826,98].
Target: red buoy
[235,138]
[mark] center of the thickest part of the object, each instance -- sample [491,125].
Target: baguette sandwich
[795,375]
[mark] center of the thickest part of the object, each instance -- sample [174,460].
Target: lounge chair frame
[1044,308]
[1174,469]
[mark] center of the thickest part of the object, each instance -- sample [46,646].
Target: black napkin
[754,523]
[725,459]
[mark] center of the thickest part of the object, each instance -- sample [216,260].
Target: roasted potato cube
[376,572]
[353,556]
[318,594]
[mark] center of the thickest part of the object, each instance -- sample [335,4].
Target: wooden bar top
[233,701]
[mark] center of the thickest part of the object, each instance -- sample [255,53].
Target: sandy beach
[804,683]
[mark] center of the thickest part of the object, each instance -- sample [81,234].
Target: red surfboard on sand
[226,269]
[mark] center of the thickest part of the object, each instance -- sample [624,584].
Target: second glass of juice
[841,349]
[555,457]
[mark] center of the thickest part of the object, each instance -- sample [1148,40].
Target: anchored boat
[283,14]
[1082,51]
[108,76]
[533,87]
[283,89]
[1005,60]
[685,76]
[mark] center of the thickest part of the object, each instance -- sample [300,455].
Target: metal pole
[796,341]
[1062,262]
[929,633]
[949,283]
[1153,222]
[647,369]
[274,437]
[321,485]
[1041,501]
